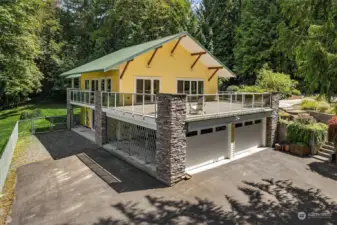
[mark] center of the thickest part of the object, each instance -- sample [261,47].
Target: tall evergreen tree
[311,35]
[50,59]
[217,23]
[255,37]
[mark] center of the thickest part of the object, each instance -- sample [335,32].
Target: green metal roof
[114,59]
[73,76]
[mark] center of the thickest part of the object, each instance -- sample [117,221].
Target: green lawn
[9,117]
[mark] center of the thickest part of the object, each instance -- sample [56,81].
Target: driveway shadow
[325,169]
[121,176]
[287,200]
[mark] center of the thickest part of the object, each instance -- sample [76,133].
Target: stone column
[272,120]
[100,121]
[171,138]
[70,115]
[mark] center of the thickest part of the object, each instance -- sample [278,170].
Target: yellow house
[174,64]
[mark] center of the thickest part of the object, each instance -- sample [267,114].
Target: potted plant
[300,149]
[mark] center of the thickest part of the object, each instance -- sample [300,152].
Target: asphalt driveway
[91,186]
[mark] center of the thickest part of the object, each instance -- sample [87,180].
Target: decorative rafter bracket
[216,69]
[199,54]
[176,45]
[125,68]
[153,55]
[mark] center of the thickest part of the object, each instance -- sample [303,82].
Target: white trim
[147,78]
[152,79]
[190,80]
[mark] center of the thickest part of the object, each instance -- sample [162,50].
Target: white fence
[6,156]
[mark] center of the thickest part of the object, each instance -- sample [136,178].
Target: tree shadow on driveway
[288,201]
[325,169]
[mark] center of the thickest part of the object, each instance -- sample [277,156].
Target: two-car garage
[210,141]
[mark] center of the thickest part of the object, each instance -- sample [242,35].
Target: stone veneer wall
[69,111]
[273,120]
[170,155]
[100,121]
[282,132]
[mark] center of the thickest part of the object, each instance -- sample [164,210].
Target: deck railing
[226,103]
[196,105]
[143,104]
[84,97]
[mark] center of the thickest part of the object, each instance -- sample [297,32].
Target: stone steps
[329,151]
[325,152]
[321,158]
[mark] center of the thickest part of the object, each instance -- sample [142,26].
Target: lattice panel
[132,139]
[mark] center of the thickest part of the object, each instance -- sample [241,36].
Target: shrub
[305,118]
[283,114]
[298,132]
[30,114]
[232,88]
[279,82]
[309,104]
[254,88]
[296,92]
[323,106]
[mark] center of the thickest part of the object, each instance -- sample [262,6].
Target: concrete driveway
[94,187]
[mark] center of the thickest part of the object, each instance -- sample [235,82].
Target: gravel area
[28,150]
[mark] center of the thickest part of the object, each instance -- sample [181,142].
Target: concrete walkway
[93,187]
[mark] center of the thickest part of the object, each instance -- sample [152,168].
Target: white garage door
[248,134]
[206,146]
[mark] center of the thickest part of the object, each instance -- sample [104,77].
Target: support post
[272,120]
[100,121]
[171,138]
[69,110]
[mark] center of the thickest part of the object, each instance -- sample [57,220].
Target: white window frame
[88,85]
[152,84]
[190,80]
[106,83]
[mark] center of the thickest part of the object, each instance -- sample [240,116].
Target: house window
[190,87]
[108,85]
[221,128]
[206,131]
[257,121]
[103,85]
[146,89]
[76,82]
[86,85]
[192,133]
[238,125]
[180,87]
[248,123]
[94,85]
